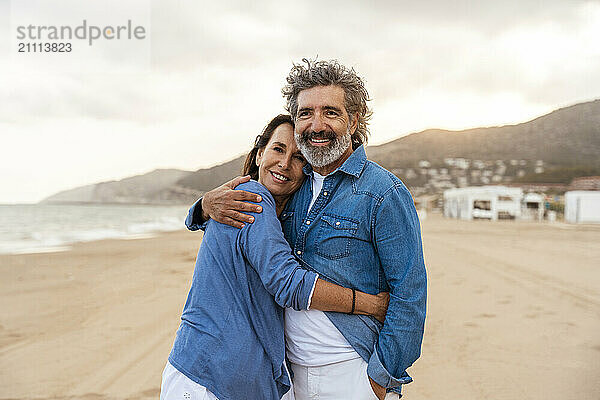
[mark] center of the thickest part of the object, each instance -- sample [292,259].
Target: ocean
[35,228]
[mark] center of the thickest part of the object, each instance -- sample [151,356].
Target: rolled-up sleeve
[264,246]
[194,221]
[397,237]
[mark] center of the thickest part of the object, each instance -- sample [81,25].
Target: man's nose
[317,123]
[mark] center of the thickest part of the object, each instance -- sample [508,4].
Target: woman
[230,344]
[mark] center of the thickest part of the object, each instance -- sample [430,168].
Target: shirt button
[324,193]
[337,223]
[298,252]
[307,222]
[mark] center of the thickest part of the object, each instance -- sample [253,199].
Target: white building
[483,202]
[533,207]
[582,206]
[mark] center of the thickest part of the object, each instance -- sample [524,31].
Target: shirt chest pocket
[335,236]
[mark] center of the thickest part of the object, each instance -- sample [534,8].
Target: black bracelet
[353,301]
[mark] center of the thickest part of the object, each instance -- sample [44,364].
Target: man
[355,224]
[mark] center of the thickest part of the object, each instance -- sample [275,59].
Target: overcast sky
[208,77]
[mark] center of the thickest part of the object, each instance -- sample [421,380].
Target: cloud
[215,71]
[211,50]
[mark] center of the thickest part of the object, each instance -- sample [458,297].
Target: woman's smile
[280,164]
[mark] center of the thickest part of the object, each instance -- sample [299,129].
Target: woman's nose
[284,161]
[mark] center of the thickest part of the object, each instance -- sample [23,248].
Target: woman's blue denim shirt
[363,232]
[231,337]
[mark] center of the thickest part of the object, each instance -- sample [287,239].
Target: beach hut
[582,206]
[532,207]
[483,202]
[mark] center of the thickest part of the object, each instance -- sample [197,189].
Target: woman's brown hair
[261,141]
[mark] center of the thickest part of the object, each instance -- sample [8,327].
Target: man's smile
[319,142]
[319,139]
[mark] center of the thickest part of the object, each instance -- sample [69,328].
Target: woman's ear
[259,155]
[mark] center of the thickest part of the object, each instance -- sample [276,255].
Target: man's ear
[354,123]
[259,155]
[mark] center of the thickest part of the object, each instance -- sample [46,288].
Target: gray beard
[322,156]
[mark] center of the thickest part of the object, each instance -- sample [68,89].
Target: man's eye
[278,149]
[302,114]
[332,113]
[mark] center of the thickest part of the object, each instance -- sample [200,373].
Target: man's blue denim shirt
[363,232]
[231,337]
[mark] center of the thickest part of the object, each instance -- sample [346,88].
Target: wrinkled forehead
[321,96]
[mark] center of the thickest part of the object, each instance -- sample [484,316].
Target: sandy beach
[513,313]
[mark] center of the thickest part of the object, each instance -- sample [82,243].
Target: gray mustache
[319,135]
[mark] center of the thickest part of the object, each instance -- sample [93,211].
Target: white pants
[177,386]
[346,380]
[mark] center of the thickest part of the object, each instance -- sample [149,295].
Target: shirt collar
[353,165]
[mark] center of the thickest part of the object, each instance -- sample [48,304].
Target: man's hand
[225,205]
[372,304]
[383,300]
[377,389]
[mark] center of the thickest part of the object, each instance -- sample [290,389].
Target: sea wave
[59,229]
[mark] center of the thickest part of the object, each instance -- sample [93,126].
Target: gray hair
[325,73]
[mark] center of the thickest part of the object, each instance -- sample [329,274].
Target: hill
[156,187]
[553,148]
[206,179]
[566,137]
